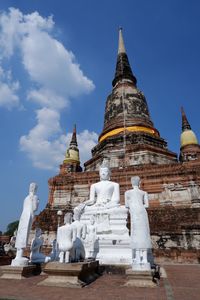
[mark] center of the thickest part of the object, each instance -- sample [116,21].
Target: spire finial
[185,123]
[123,69]
[74,130]
[121,47]
[74,139]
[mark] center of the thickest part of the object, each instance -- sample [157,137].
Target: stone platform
[112,234]
[10,272]
[74,275]
[139,278]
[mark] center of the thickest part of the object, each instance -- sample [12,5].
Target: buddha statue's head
[32,188]
[68,218]
[78,210]
[38,232]
[135,180]
[104,171]
[92,220]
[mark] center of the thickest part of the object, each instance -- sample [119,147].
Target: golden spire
[72,153]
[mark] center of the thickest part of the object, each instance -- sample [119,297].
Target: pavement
[178,282]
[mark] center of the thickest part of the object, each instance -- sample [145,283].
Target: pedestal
[139,278]
[73,275]
[20,262]
[141,267]
[10,272]
[112,234]
[114,250]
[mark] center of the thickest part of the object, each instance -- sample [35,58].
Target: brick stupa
[133,146]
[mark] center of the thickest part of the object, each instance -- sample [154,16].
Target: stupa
[129,137]
[134,147]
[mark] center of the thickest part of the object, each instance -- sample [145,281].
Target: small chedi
[30,206]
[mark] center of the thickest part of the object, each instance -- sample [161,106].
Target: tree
[11,228]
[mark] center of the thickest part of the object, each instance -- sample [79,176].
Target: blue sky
[57,62]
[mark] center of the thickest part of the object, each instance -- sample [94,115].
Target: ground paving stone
[182,281]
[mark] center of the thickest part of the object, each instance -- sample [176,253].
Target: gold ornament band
[131,129]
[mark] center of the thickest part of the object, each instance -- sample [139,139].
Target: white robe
[26,220]
[135,200]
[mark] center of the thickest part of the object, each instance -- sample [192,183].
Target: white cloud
[52,66]
[8,90]
[14,26]
[8,97]
[86,141]
[56,78]
[46,145]
[48,63]
[47,98]
[39,144]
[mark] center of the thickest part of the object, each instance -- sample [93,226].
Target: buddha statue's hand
[111,204]
[81,206]
[105,202]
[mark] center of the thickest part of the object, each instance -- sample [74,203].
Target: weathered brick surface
[172,226]
[175,232]
[172,219]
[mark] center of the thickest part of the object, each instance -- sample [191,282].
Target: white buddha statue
[105,193]
[78,251]
[108,238]
[136,201]
[66,235]
[25,223]
[36,255]
[91,239]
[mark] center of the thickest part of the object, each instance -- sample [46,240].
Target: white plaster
[112,235]
[136,201]
[66,235]
[78,251]
[25,223]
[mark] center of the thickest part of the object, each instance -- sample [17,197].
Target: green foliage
[11,228]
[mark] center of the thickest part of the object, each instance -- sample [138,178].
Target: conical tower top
[74,139]
[123,69]
[71,162]
[121,47]
[185,123]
